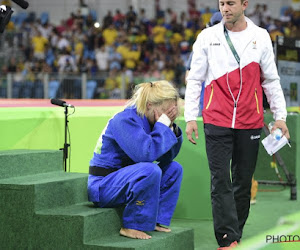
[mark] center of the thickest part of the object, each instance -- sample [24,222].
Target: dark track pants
[231,190]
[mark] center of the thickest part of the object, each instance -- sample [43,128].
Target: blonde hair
[152,92]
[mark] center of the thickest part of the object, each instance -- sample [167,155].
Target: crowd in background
[123,47]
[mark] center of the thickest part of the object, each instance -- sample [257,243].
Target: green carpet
[43,207]
[263,220]
[43,128]
[37,128]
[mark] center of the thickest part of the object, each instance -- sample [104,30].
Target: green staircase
[43,207]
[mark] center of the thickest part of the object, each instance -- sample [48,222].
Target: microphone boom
[23,4]
[61,103]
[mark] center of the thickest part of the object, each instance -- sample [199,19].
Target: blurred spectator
[78,48]
[12,65]
[139,73]
[168,73]
[256,15]
[131,15]
[39,45]
[153,74]
[102,58]
[128,44]
[66,62]
[91,84]
[18,80]
[107,20]
[53,87]
[3,82]
[115,58]
[83,7]
[206,15]
[287,16]
[266,14]
[119,18]
[143,19]
[45,29]
[110,34]
[89,21]
[60,29]
[290,30]
[90,42]
[113,84]
[194,13]
[79,17]
[71,84]
[36,75]
[131,55]
[70,21]
[170,16]
[62,43]
[275,30]
[159,33]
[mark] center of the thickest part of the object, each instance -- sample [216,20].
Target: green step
[98,222]
[43,207]
[14,163]
[71,226]
[83,226]
[48,190]
[21,196]
[178,239]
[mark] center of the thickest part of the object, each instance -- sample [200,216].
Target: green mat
[47,208]
[43,128]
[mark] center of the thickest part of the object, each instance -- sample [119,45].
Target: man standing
[235,59]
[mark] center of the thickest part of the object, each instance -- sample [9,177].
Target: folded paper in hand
[272,146]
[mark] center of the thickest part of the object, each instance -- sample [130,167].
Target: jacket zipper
[257,106]
[210,97]
[234,114]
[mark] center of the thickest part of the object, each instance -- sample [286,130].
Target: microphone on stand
[61,103]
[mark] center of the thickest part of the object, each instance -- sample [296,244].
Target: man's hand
[282,125]
[191,127]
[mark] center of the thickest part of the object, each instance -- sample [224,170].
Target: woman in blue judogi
[133,161]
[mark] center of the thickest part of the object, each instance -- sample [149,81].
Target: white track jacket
[234,93]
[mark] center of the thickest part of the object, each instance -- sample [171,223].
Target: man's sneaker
[232,245]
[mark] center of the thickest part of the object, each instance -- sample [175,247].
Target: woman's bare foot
[134,234]
[160,228]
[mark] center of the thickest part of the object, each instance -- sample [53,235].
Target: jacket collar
[220,29]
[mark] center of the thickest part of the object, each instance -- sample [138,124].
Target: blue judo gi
[147,181]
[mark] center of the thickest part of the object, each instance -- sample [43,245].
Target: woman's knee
[175,169]
[150,169]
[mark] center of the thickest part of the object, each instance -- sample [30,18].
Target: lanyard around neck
[237,58]
[235,54]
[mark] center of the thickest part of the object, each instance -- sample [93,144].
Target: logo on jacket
[254,45]
[140,203]
[215,44]
[254,137]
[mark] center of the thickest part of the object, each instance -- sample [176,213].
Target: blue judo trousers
[147,181]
